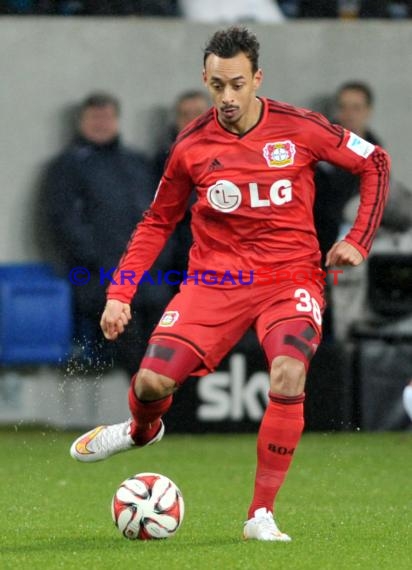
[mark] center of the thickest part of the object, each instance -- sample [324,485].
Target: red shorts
[211,320]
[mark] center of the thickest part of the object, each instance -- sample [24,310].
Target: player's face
[99,125]
[353,111]
[232,86]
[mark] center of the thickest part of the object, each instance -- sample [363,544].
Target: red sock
[279,434]
[146,416]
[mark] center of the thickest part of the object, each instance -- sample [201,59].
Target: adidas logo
[215,164]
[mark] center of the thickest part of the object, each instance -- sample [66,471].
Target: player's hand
[343,253]
[115,317]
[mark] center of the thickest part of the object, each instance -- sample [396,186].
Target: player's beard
[229,114]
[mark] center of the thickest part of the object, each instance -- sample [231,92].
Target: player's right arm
[115,317]
[147,241]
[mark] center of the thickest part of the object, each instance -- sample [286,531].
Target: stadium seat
[35,315]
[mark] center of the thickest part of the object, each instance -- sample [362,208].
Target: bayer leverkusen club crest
[169,318]
[279,154]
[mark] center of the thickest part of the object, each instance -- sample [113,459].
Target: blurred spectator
[132,7]
[188,105]
[373,8]
[215,11]
[346,8]
[400,9]
[384,8]
[231,11]
[91,7]
[318,9]
[94,194]
[17,6]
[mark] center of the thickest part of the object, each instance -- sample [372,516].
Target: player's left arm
[372,163]
[343,253]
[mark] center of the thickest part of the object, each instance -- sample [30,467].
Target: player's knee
[149,385]
[287,376]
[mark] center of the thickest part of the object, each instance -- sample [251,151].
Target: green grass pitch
[346,503]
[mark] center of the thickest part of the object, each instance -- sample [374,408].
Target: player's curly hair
[232,41]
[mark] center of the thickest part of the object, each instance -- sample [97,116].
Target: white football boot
[263,527]
[103,441]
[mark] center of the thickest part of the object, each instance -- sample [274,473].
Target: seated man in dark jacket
[95,193]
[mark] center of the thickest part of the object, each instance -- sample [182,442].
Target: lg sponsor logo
[226,197]
[231,395]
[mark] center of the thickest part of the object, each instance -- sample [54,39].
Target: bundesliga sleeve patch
[360,146]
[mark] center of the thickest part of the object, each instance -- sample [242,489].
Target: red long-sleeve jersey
[255,193]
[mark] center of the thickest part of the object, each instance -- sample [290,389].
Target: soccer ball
[148,506]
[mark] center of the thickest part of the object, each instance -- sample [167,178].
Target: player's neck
[249,119]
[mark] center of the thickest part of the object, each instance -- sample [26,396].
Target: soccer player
[251,160]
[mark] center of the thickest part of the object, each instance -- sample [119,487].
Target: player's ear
[258,78]
[204,76]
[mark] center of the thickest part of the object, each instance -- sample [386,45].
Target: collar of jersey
[263,114]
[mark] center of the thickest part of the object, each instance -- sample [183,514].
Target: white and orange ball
[148,506]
